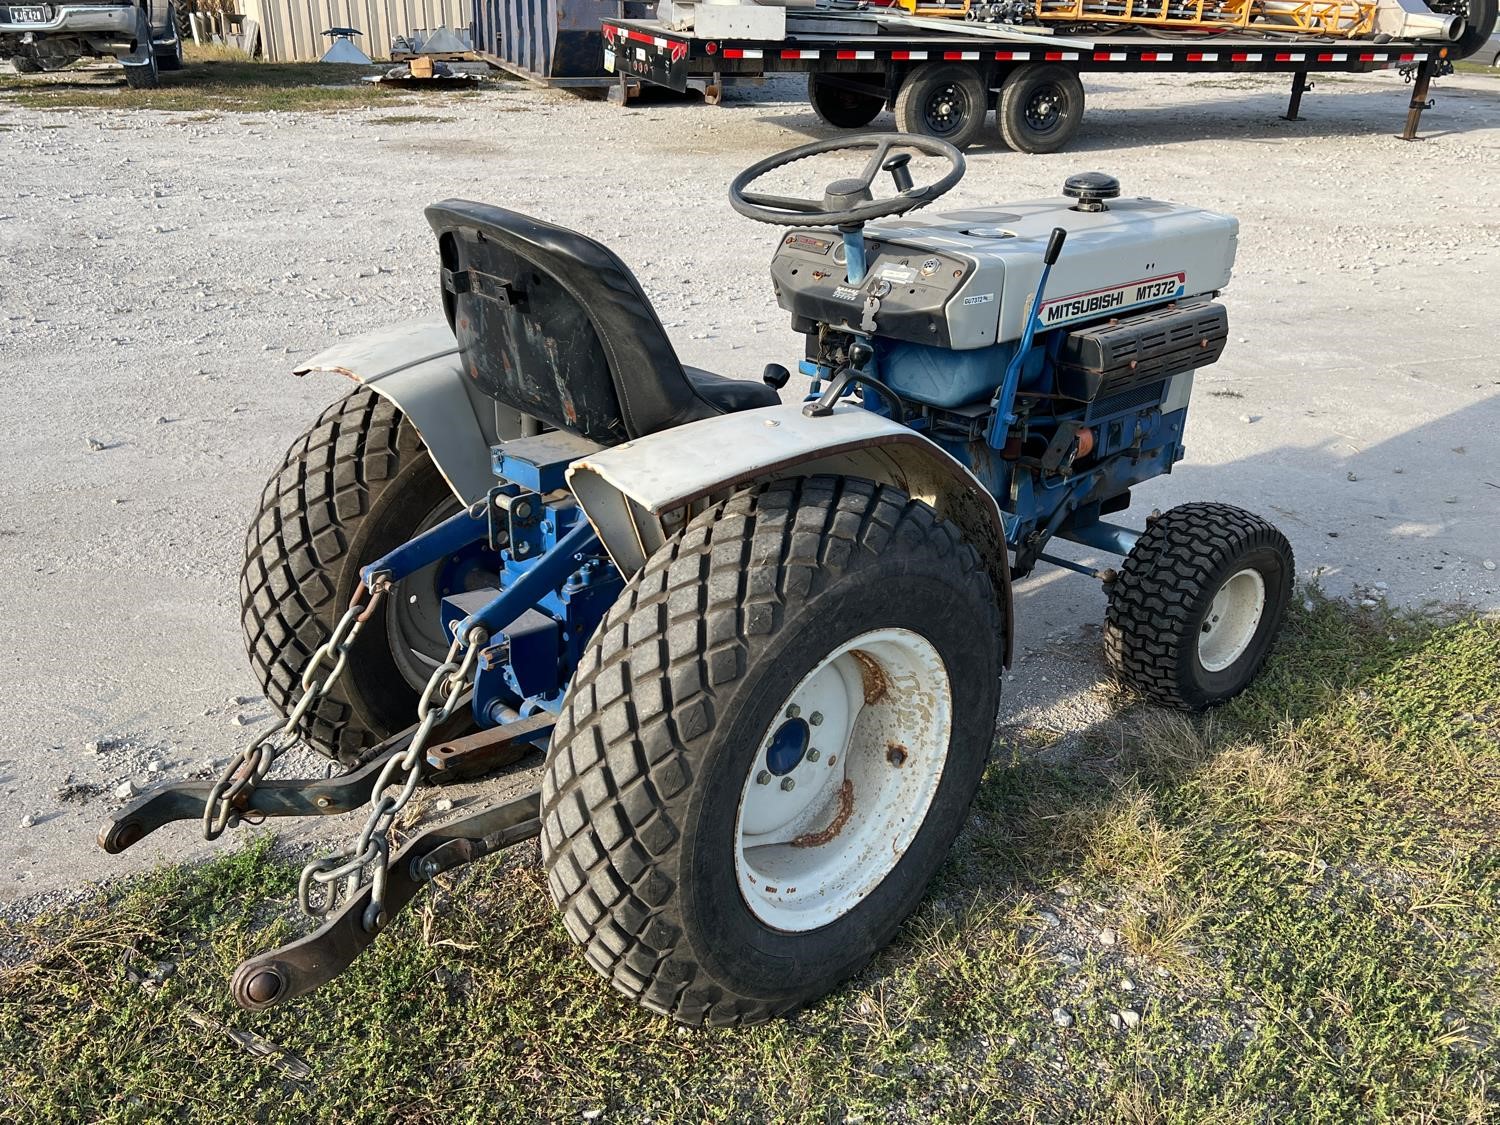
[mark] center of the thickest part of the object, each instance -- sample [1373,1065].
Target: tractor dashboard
[963,280]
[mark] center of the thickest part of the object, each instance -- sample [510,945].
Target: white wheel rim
[1232,619]
[862,740]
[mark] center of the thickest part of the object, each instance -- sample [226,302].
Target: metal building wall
[292,30]
[548,38]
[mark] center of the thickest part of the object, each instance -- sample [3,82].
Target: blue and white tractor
[755,644]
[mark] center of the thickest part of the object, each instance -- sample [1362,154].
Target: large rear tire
[769,747]
[358,483]
[1198,604]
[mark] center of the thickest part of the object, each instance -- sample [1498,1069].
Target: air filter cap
[1091,189]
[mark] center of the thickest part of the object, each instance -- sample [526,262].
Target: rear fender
[637,493]
[417,366]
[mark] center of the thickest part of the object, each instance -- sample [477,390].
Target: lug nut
[787,785]
[816,718]
[793,711]
[814,754]
[763,777]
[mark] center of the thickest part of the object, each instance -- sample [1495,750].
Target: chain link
[445,692]
[250,766]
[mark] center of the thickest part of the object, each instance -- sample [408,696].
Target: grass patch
[215,79]
[1475,66]
[1288,911]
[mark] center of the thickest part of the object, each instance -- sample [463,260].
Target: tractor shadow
[1409,521]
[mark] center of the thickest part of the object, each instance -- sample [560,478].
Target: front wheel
[769,747]
[1197,605]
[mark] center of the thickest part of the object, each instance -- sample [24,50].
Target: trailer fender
[637,492]
[417,366]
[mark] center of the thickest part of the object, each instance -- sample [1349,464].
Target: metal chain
[250,766]
[448,683]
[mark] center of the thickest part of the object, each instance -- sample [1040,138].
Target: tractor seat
[553,324]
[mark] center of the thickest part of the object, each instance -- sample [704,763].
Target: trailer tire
[685,689]
[945,100]
[1198,604]
[1040,107]
[1479,24]
[358,483]
[839,106]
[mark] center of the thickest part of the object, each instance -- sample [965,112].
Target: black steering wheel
[847,202]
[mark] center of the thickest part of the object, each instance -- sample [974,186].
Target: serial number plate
[35,14]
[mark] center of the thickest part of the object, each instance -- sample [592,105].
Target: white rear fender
[417,366]
[636,494]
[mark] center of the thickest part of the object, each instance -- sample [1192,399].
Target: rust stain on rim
[846,809]
[873,676]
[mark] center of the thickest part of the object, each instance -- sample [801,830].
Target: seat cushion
[730,395]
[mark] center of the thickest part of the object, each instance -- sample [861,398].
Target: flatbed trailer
[945,84]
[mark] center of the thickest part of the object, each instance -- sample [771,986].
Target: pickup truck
[141,34]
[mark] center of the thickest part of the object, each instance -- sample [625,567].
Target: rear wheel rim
[414,622]
[843,779]
[1232,620]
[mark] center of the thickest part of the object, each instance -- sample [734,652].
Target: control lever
[1005,397]
[897,167]
[854,372]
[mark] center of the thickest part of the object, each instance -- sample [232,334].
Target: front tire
[693,708]
[1198,604]
[358,483]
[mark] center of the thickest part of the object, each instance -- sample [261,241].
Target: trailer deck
[870,72]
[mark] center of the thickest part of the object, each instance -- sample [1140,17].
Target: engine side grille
[1106,359]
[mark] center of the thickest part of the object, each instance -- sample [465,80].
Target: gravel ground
[160,274]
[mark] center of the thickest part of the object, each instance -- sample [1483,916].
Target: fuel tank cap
[1091,189]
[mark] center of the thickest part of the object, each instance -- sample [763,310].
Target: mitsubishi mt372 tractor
[757,644]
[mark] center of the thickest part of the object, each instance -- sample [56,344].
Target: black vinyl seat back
[554,324]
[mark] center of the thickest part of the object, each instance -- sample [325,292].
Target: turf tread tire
[1156,601]
[298,557]
[623,754]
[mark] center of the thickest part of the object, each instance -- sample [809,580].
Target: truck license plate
[35,14]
